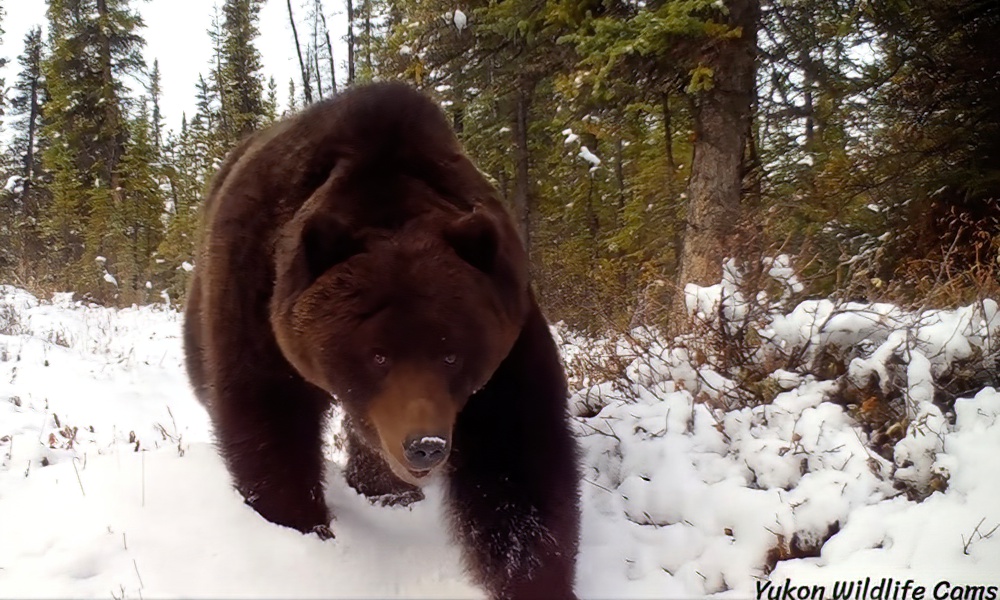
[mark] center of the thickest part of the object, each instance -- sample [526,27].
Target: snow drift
[702,476]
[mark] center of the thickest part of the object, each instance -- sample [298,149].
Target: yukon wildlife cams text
[884,588]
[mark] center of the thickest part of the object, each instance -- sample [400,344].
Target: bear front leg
[513,489]
[270,437]
[369,475]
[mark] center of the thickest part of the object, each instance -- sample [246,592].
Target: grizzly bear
[352,253]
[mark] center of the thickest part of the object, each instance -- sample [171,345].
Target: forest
[639,144]
[765,233]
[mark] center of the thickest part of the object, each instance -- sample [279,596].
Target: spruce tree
[271,104]
[240,83]
[154,91]
[940,126]
[29,194]
[190,159]
[206,129]
[138,227]
[95,48]
[293,103]
[183,160]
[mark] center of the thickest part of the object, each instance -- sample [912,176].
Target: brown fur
[354,252]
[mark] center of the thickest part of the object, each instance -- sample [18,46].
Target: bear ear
[327,241]
[475,239]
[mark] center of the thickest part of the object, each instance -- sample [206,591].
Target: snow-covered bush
[811,409]
[689,487]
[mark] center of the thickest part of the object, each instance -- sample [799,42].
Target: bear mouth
[418,477]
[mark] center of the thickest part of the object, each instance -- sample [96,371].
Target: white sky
[176,34]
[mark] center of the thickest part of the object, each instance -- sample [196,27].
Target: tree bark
[329,48]
[668,132]
[217,40]
[110,104]
[522,169]
[306,84]
[315,51]
[721,122]
[29,167]
[620,177]
[350,42]
[368,37]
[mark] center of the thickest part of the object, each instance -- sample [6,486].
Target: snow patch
[590,157]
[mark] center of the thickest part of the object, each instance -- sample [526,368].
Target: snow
[187,266]
[136,502]
[108,277]
[590,157]
[110,484]
[460,19]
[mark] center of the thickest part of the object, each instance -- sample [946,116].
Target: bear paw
[323,532]
[405,498]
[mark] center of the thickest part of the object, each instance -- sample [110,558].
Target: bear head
[401,322]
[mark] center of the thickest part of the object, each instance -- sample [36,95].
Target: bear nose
[425,452]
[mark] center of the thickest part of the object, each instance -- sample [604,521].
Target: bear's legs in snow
[513,490]
[270,437]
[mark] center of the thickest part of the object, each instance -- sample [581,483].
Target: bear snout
[413,416]
[425,452]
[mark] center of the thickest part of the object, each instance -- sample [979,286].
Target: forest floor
[110,485]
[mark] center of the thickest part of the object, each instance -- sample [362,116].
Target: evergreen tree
[154,91]
[206,132]
[137,228]
[27,194]
[293,102]
[95,47]
[271,103]
[184,160]
[190,159]
[240,83]
[936,168]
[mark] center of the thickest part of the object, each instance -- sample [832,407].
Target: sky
[176,35]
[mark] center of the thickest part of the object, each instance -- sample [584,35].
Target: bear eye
[450,359]
[379,358]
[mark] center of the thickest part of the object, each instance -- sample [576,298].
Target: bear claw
[323,532]
[397,498]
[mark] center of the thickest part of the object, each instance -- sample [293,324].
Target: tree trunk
[110,103]
[368,38]
[329,48]
[752,170]
[350,42]
[29,168]
[668,132]
[306,84]
[721,116]
[315,52]
[522,184]
[217,38]
[593,222]
[808,83]
[620,177]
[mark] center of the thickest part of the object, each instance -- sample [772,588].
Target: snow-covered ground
[109,484]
